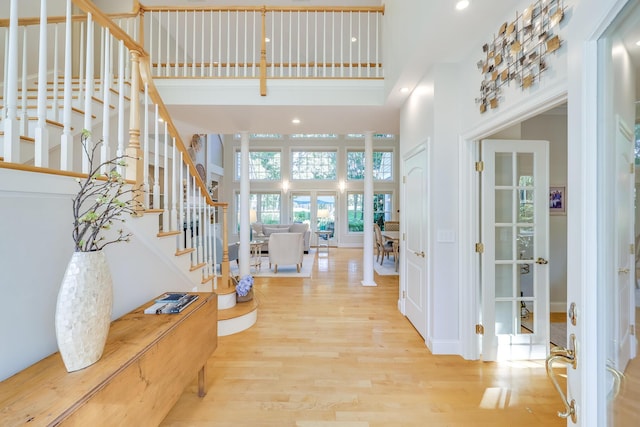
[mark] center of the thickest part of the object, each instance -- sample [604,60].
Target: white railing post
[174,189]
[88,101]
[81,66]
[145,148]
[121,134]
[180,220]
[165,190]
[66,140]
[106,99]
[54,109]
[11,135]
[156,161]
[42,132]
[24,117]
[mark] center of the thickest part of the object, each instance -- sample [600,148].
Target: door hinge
[479,329]
[632,168]
[632,329]
[404,179]
[479,166]
[479,248]
[632,249]
[403,237]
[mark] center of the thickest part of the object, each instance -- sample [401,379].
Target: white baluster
[186,47]
[11,135]
[177,35]
[165,190]
[333,46]
[121,128]
[24,122]
[281,44]
[106,99]
[189,225]
[368,44]
[156,162]
[359,45]
[219,44]
[66,140]
[81,70]
[341,44]
[211,43]
[88,101]
[173,223]
[202,41]
[290,44]
[151,37]
[145,161]
[6,70]
[307,44]
[181,201]
[168,33]
[56,75]
[299,41]
[159,59]
[193,59]
[254,55]
[378,70]
[237,70]
[41,133]
[228,44]
[315,45]
[350,44]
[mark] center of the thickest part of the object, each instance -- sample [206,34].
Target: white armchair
[286,248]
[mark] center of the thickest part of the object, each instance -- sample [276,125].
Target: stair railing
[123,61]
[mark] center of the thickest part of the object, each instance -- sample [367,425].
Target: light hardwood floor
[327,352]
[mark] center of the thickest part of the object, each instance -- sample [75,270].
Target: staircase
[46,107]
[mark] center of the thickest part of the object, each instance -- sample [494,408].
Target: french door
[514,266]
[318,209]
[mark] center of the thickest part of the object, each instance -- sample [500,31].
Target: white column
[66,140]
[11,135]
[367,252]
[42,133]
[243,250]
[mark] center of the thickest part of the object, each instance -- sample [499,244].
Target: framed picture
[557,200]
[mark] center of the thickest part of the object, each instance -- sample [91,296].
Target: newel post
[224,268]
[135,169]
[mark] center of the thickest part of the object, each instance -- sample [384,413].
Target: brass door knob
[541,261]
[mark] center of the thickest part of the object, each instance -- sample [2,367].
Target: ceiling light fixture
[638,43]
[462,4]
[354,39]
[404,89]
[267,39]
[295,121]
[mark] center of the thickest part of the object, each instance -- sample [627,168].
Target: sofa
[263,231]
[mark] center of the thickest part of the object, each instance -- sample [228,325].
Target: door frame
[469,201]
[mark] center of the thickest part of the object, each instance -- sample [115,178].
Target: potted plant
[83,308]
[244,289]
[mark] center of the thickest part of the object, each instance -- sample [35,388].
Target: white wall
[35,248]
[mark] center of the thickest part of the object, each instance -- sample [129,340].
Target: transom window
[320,165]
[382,165]
[263,165]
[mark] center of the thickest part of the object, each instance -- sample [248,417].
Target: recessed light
[267,39]
[638,43]
[404,89]
[462,4]
[295,121]
[354,39]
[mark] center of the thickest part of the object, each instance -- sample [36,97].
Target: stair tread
[169,233]
[238,310]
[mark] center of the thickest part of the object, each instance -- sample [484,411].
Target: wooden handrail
[378,9]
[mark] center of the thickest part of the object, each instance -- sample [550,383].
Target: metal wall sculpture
[518,53]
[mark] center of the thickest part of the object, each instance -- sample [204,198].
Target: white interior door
[623,312]
[514,264]
[414,257]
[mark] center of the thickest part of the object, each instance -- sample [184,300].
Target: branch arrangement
[102,200]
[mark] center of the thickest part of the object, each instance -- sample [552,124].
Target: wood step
[238,310]
[169,233]
[185,251]
[23,138]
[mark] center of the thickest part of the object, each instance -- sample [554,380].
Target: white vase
[83,310]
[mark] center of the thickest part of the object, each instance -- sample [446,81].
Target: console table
[148,361]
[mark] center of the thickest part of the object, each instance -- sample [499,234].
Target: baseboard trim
[445,347]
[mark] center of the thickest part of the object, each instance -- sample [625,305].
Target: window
[264,207]
[319,165]
[382,209]
[263,165]
[382,165]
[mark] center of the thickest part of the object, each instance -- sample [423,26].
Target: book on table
[171,303]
